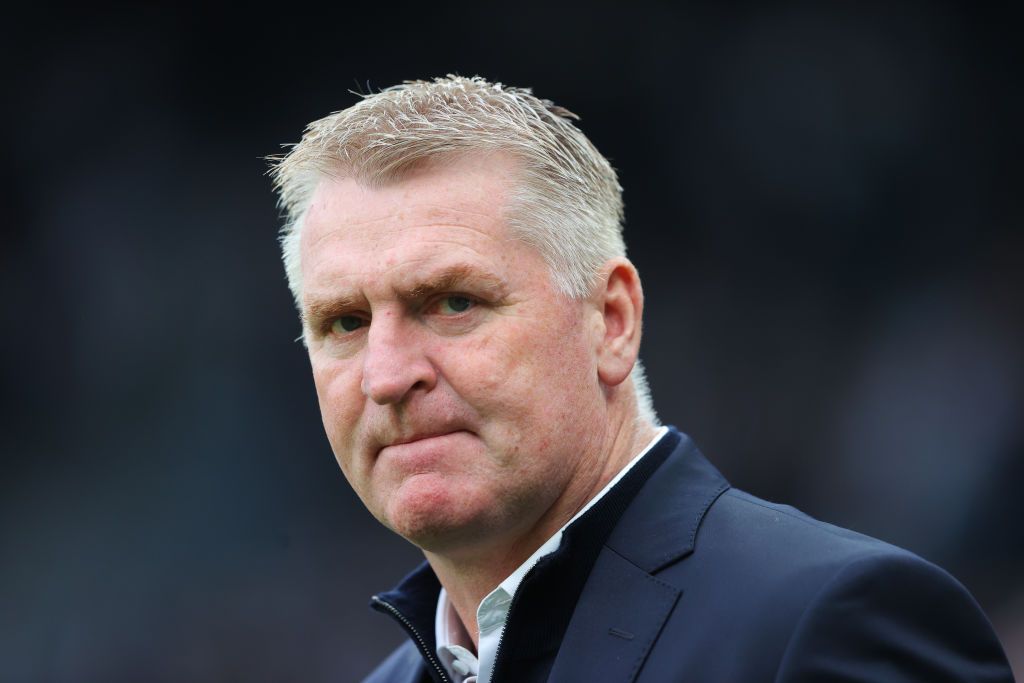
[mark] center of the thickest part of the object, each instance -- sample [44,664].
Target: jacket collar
[623,608]
[412,603]
[661,524]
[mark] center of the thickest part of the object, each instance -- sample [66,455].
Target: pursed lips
[430,435]
[420,436]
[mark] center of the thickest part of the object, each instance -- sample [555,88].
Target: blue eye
[450,305]
[347,323]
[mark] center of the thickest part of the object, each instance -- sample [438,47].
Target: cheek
[339,396]
[530,376]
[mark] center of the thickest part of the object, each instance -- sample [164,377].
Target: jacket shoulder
[895,617]
[810,601]
[403,665]
[789,553]
[746,519]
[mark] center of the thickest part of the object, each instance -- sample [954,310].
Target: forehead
[436,217]
[475,183]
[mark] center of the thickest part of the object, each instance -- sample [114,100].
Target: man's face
[458,388]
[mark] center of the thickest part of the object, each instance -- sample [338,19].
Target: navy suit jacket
[699,582]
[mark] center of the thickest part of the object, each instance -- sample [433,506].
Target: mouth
[414,438]
[423,449]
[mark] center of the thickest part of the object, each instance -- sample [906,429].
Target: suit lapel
[624,606]
[617,620]
[660,525]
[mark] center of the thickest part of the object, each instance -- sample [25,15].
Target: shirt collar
[454,645]
[511,584]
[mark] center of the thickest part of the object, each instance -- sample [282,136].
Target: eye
[346,324]
[453,305]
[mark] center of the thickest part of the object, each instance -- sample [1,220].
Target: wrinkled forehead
[366,236]
[456,191]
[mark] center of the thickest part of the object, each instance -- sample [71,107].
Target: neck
[469,576]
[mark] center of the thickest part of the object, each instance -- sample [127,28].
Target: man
[473,325]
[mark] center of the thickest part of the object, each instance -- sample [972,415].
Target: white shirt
[454,645]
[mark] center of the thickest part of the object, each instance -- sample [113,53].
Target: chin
[433,516]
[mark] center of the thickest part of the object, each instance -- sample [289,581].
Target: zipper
[508,614]
[501,638]
[420,643]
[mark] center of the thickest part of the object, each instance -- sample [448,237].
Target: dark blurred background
[823,199]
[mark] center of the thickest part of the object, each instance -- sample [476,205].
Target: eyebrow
[319,310]
[453,279]
[450,279]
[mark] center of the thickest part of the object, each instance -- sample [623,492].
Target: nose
[394,362]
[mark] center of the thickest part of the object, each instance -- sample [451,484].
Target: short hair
[567,203]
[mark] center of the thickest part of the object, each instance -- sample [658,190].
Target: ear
[620,301]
